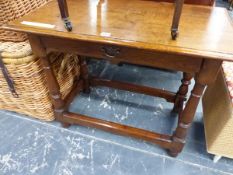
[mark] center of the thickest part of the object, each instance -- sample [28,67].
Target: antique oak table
[136,32]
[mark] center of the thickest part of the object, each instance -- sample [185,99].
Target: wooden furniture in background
[64,11]
[134,32]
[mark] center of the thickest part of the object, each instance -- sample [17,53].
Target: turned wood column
[205,76]
[185,120]
[182,92]
[51,81]
[54,90]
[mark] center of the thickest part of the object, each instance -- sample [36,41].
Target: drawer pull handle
[111,51]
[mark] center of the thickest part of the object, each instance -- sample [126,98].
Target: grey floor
[29,146]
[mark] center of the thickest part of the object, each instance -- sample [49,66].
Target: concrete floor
[29,146]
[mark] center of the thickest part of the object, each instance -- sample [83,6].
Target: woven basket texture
[26,70]
[13,9]
[218,118]
[30,82]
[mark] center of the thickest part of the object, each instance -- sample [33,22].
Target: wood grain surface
[204,31]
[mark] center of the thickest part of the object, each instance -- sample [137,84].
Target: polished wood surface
[64,12]
[136,32]
[204,31]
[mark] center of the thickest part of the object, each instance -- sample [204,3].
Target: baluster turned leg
[53,86]
[65,14]
[182,92]
[176,18]
[54,90]
[205,76]
[185,120]
[84,74]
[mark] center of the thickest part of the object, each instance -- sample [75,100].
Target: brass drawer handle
[110,51]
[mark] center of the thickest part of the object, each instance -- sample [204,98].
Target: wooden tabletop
[204,31]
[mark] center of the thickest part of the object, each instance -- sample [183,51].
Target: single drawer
[124,54]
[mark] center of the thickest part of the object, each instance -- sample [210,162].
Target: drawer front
[124,54]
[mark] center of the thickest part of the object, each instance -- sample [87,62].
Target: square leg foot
[65,125]
[172,153]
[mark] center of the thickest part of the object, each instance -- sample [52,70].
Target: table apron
[131,55]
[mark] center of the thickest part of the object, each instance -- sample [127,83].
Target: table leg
[182,92]
[84,74]
[231,5]
[176,18]
[185,120]
[65,14]
[65,125]
[205,76]
[54,90]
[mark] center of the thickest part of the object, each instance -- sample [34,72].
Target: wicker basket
[29,79]
[218,118]
[25,69]
[13,9]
